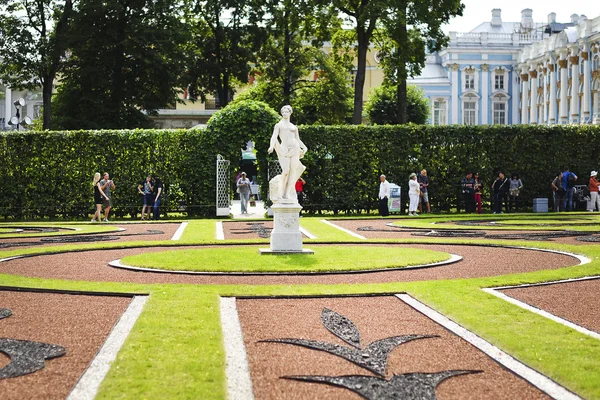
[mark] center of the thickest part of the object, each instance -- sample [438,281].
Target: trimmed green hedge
[48,174]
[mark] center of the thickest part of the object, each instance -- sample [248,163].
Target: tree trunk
[359,81]
[401,71]
[47,100]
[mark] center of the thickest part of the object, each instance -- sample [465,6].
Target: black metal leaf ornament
[5,313]
[341,327]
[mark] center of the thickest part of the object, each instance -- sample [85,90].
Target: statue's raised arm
[290,149]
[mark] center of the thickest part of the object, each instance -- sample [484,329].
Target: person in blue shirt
[568,179]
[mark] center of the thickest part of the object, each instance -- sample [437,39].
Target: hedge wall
[49,174]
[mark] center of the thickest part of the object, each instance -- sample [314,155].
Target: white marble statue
[290,150]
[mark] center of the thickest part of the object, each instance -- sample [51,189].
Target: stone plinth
[286,236]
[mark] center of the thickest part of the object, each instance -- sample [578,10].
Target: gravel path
[376,318]
[77,322]
[478,262]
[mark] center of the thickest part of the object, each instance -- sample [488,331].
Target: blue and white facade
[512,73]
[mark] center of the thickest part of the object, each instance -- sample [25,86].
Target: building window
[439,113]
[469,81]
[500,113]
[469,113]
[499,82]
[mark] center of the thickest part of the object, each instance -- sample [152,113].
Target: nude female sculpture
[289,151]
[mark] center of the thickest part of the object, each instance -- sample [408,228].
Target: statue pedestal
[286,237]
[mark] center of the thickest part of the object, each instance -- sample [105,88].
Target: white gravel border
[239,383]
[220,235]
[495,292]
[349,232]
[540,381]
[90,381]
[307,233]
[179,231]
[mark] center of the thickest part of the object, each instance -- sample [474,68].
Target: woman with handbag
[513,193]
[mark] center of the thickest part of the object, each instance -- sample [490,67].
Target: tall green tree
[413,27]
[226,36]
[126,62]
[33,39]
[295,33]
[382,106]
[365,15]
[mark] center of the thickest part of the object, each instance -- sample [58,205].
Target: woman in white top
[413,193]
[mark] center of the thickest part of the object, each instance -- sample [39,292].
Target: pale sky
[477,11]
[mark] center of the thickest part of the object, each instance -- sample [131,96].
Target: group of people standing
[417,192]
[151,188]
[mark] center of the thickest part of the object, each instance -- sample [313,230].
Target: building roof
[506,27]
[433,73]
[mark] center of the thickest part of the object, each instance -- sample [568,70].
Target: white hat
[594,173]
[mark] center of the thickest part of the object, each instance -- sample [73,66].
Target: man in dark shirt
[468,189]
[158,189]
[500,189]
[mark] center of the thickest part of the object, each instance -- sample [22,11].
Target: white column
[574,117]
[515,96]
[485,84]
[596,113]
[524,97]
[552,107]
[534,95]
[545,101]
[564,87]
[8,104]
[587,80]
[455,85]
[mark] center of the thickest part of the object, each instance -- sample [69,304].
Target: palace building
[517,73]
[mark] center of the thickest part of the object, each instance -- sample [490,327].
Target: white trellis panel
[223,187]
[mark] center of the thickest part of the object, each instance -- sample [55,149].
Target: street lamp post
[16,120]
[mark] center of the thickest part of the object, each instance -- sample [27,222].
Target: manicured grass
[248,259]
[175,349]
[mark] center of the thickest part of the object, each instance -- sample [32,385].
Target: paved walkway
[253,212]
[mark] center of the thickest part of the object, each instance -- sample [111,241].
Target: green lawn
[248,259]
[175,349]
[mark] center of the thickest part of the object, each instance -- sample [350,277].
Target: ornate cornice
[533,74]
[500,71]
[563,63]
[574,60]
[469,70]
[585,55]
[524,77]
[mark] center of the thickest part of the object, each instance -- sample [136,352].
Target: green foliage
[50,173]
[33,39]
[382,106]
[125,63]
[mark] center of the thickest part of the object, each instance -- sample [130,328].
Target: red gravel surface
[381,225]
[376,318]
[478,262]
[577,302]
[77,322]
[141,229]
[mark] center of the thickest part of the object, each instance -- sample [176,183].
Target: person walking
[500,188]
[243,185]
[146,188]
[98,197]
[423,180]
[384,195]
[158,188]
[593,186]
[107,185]
[413,194]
